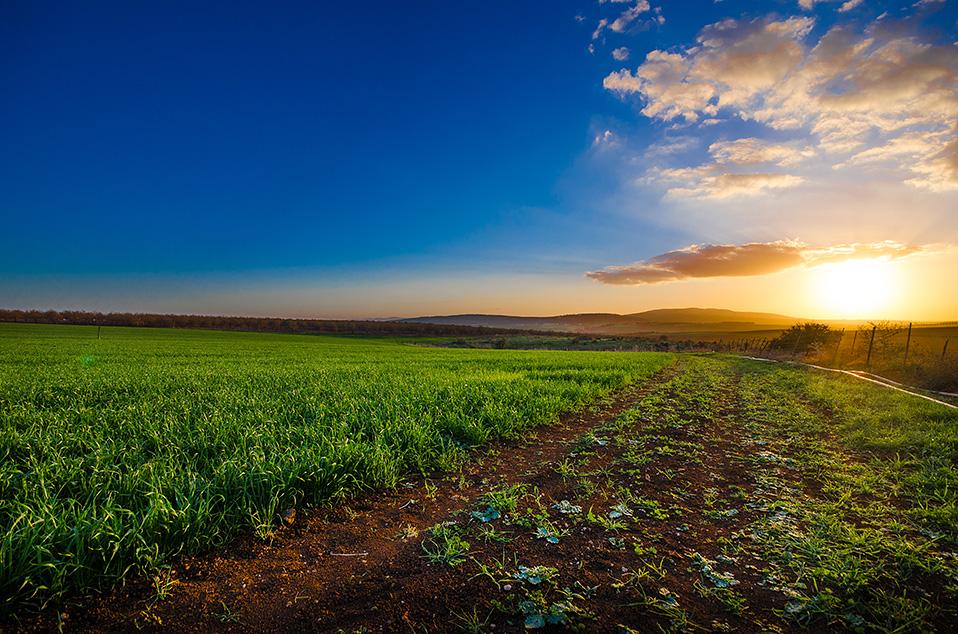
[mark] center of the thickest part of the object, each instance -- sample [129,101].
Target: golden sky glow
[921,288]
[857,287]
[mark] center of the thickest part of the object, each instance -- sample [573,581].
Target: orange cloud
[738,260]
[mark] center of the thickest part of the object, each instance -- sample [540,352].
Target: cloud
[752,151]
[938,172]
[672,146]
[621,82]
[808,5]
[658,16]
[740,167]
[604,138]
[712,181]
[740,260]
[599,28]
[749,59]
[620,54]
[847,91]
[848,6]
[628,16]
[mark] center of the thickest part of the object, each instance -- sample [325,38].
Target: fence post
[854,339]
[871,342]
[907,343]
[944,349]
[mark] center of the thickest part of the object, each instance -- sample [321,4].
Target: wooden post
[907,343]
[944,350]
[854,339]
[98,332]
[871,342]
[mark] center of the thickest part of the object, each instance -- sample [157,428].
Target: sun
[856,289]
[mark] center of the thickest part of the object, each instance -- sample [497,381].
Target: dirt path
[657,509]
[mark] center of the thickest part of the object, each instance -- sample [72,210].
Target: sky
[370,160]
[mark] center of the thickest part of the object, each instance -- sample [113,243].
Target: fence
[924,355]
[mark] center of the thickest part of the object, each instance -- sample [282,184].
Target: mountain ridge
[660,320]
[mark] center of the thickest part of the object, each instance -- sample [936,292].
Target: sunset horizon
[597,157]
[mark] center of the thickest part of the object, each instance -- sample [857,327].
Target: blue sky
[370,159]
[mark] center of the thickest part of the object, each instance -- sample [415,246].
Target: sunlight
[856,289]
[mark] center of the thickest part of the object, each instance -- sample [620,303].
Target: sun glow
[857,289]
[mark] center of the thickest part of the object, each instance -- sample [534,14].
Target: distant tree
[804,338]
[886,335]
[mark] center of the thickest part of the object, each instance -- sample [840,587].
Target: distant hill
[663,320]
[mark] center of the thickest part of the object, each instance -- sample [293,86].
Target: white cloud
[741,167]
[847,91]
[629,15]
[938,172]
[672,146]
[752,151]
[621,81]
[606,137]
[718,181]
[598,29]
[849,5]
[620,54]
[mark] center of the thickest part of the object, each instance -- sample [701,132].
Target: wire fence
[925,355]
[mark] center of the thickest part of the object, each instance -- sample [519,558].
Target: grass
[885,519]
[799,498]
[445,545]
[117,454]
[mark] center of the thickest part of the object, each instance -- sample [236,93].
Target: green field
[118,453]
[824,500]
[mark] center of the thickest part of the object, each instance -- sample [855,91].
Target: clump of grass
[445,545]
[505,499]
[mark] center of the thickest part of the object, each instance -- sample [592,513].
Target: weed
[504,500]
[471,622]
[445,545]
[163,583]
[226,615]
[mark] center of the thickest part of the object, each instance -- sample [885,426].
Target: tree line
[253,324]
